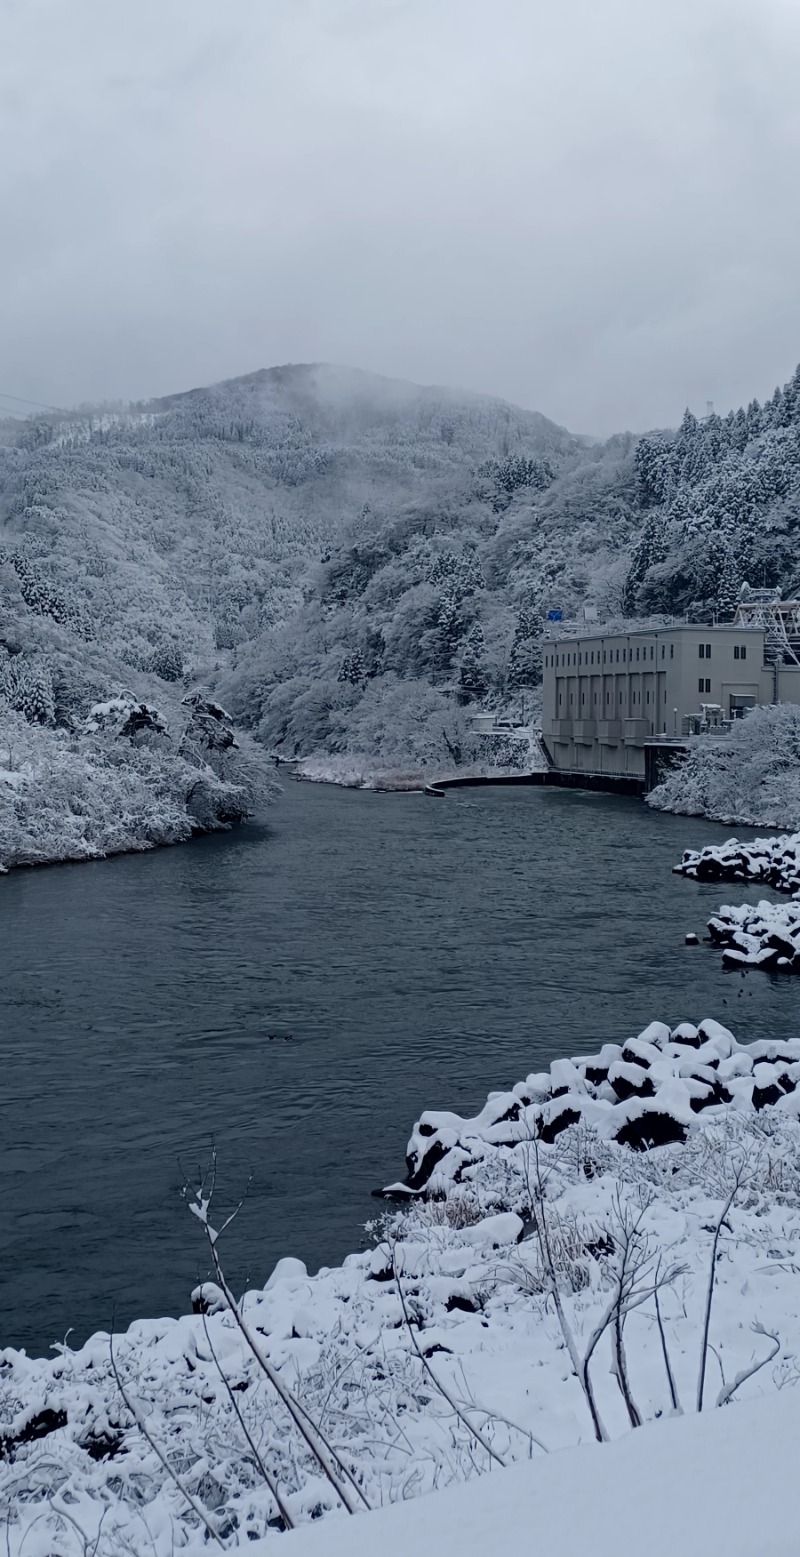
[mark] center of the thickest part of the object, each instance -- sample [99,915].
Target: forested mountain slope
[350,561]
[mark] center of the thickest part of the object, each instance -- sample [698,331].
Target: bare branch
[323,1451]
[729,1391]
[673,1391]
[701,1378]
[170,1470]
[476,1433]
[268,1477]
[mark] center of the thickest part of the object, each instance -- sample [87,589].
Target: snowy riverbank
[504,756]
[125,779]
[559,1289]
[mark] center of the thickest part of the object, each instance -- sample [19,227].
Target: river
[296,993]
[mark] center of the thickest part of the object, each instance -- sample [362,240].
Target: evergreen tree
[650,549]
[728,586]
[473,677]
[525,662]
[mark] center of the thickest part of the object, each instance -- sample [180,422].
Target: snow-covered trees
[751,776]
[722,496]
[290,538]
[121,782]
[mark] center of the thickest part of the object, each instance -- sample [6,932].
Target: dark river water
[297,993]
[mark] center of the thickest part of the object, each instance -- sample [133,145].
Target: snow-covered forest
[348,563]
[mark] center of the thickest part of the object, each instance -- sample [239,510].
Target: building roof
[595,630]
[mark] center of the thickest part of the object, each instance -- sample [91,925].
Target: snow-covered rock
[765,935]
[647,1092]
[773,861]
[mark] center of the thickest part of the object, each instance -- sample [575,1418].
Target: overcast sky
[591,207]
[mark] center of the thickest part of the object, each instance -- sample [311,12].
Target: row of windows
[609,656]
[739,651]
[612,656]
[704,685]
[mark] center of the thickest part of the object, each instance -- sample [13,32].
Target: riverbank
[121,783]
[443,1350]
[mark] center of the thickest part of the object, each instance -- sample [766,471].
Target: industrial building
[614,703]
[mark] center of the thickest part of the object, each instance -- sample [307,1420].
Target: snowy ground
[354,772]
[719,1485]
[556,1293]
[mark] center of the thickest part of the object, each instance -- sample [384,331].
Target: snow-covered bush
[751,776]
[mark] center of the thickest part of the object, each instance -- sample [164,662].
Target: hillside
[350,561]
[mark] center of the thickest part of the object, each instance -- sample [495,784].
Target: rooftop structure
[779,620]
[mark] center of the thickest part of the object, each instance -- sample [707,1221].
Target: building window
[701,650]
[701,686]
[740,651]
[637,654]
[663,650]
[624,652]
[652,651]
[743,655]
[708,651]
[648,697]
[672,651]
[583,698]
[617,656]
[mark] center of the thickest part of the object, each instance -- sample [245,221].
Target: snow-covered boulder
[648,1092]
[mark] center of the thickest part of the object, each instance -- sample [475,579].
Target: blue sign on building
[555,616]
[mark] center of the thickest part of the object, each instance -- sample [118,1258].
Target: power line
[21,400]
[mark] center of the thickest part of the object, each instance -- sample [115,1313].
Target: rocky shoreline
[648,1091]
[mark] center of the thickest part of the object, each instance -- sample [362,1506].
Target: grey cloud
[590,208]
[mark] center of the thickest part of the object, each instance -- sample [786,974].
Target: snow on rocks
[645,1092]
[765,936]
[775,861]
[440,1340]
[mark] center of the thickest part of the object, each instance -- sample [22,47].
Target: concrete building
[610,699]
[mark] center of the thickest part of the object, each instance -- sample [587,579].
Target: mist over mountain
[350,561]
